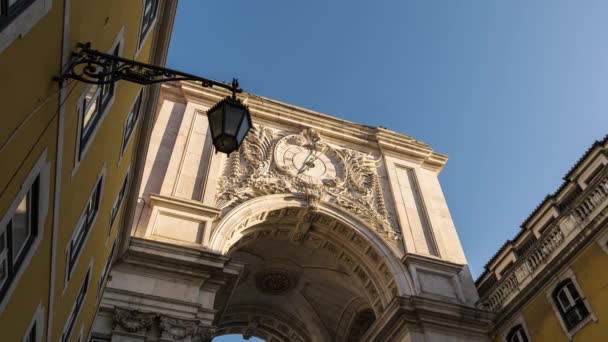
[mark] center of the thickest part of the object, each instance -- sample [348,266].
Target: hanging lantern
[229,121]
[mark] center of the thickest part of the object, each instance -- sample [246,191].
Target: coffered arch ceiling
[323,226]
[252,321]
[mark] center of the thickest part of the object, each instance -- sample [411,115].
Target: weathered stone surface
[317,229]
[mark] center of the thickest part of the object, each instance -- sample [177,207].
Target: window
[130,122]
[118,201]
[83,228]
[34,331]
[570,304]
[93,105]
[69,326]
[106,268]
[10,9]
[31,335]
[517,334]
[100,339]
[17,236]
[149,14]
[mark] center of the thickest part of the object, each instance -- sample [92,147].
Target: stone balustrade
[539,254]
[593,200]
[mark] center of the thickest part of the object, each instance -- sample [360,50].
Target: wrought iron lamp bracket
[94,67]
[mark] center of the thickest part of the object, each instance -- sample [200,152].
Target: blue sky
[512,91]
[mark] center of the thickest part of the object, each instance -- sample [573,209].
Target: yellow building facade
[71,156]
[550,283]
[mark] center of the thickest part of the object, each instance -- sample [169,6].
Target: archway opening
[308,277]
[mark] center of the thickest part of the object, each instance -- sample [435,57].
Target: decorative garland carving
[356,187]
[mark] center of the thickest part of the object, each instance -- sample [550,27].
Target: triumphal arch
[317,229]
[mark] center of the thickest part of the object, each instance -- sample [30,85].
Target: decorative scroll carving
[132,320]
[303,164]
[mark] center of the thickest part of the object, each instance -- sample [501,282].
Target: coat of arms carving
[269,163]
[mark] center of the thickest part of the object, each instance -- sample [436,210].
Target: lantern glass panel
[242,130]
[234,115]
[216,121]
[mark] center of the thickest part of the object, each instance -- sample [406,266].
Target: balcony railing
[593,200]
[542,251]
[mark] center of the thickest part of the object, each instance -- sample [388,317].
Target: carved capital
[133,320]
[177,328]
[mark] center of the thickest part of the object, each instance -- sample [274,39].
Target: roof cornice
[368,138]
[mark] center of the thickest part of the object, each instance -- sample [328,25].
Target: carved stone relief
[132,320]
[304,164]
[170,328]
[177,328]
[275,280]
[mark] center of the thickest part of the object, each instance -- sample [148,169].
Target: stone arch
[360,324]
[359,243]
[352,309]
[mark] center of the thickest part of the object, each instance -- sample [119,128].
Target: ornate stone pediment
[303,164]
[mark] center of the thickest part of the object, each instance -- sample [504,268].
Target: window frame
[143,34]
[40,173]
[575,303]
[135,110]
[568,274]
[83,228]
[36,325]
[8,13]
[8,259]
[86,134]
[70,323]
[509,327]
[106,269]
[100,339]
[21,20]
[517,329]
[120,196]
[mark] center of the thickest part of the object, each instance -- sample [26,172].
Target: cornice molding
[187,205]
[422,314]
[435,263]
[181,257]
[337,130]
